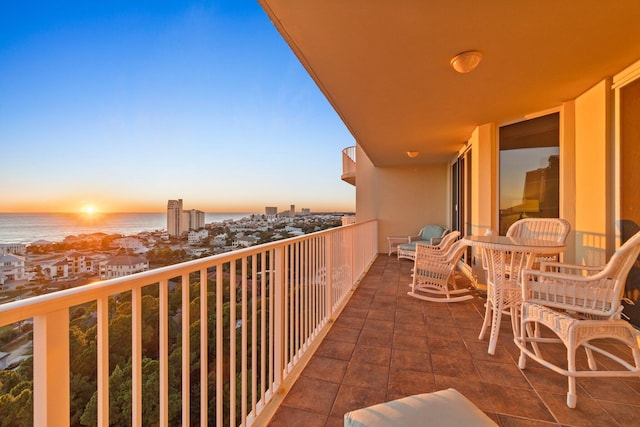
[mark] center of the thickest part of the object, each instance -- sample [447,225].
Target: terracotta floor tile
[406,382]
[335,349]
[326,369]
[511,421]
[378,325]
[625,415]
[323,395]
[588,412]
[409,359]
[350,398]
[504,374]
[375,338]
[371,355]
[350,322]
[287,417]
[522,403]
[610,389]
[481,394]
[410,328]
[366,375]
[447,345]
[339,333]
[408,342]
[452,366]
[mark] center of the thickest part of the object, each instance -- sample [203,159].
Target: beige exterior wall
[592,175]
[403,199]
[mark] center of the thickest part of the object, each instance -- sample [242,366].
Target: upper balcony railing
[349,165]
[211,341]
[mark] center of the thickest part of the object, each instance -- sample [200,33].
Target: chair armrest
[592,295]
[398,239]
[414,238]
[572,269]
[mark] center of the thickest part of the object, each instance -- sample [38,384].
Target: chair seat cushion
[443,408]
[409,246]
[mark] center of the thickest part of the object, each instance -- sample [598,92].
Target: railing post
[51,369]
[278,318]
[328,276]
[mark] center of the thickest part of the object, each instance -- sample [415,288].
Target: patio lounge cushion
[443,408]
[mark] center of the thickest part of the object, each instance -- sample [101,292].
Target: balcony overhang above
[385,66]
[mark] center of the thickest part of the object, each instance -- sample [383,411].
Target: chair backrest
[448,261]
[425,249]
[555,229]
[428,232]
[600,294]
[620,264]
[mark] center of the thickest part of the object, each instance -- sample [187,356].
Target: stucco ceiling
[384,65]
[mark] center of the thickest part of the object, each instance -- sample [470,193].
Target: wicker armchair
[434,274]
[579,305]
[429,234]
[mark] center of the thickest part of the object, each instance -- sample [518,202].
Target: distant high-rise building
[180,221]
[306,211]
[195,219]
[271,211]
[292,211]
[174,218]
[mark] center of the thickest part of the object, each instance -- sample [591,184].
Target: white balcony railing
[252,314]
[349,165]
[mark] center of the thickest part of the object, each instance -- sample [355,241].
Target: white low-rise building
[196,237]
[128,243]
[122,265]
[11,268]
[13,249]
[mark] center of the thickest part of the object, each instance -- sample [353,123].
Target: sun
[88,209]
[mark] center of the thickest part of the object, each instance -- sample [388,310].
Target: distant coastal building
[79,263]
[13,248]
[196,237]
[122,265]
[11,268]
[193,220]
[174,217]
[180,221]
[128,243]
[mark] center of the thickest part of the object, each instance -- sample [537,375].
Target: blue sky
[122,105]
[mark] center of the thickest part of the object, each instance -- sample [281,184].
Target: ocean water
[54,227]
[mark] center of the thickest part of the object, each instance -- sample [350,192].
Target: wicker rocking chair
[579,305]
[434,274]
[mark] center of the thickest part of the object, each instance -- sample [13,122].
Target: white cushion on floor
[442,408]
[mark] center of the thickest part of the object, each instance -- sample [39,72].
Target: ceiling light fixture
[465,62]
[412,154]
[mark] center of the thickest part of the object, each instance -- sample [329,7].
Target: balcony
[349,165]
[382,346]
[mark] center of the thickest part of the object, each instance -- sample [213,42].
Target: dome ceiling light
[466,62]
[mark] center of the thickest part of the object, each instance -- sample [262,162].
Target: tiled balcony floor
[386,345]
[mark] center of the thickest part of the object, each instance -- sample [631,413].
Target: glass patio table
[504,259]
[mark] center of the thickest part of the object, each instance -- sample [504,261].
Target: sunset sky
[122,105]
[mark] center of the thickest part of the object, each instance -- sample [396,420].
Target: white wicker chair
[555,229]
[507,298]
[434,274]
[579,305]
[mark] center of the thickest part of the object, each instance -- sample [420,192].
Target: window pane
[529,170]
